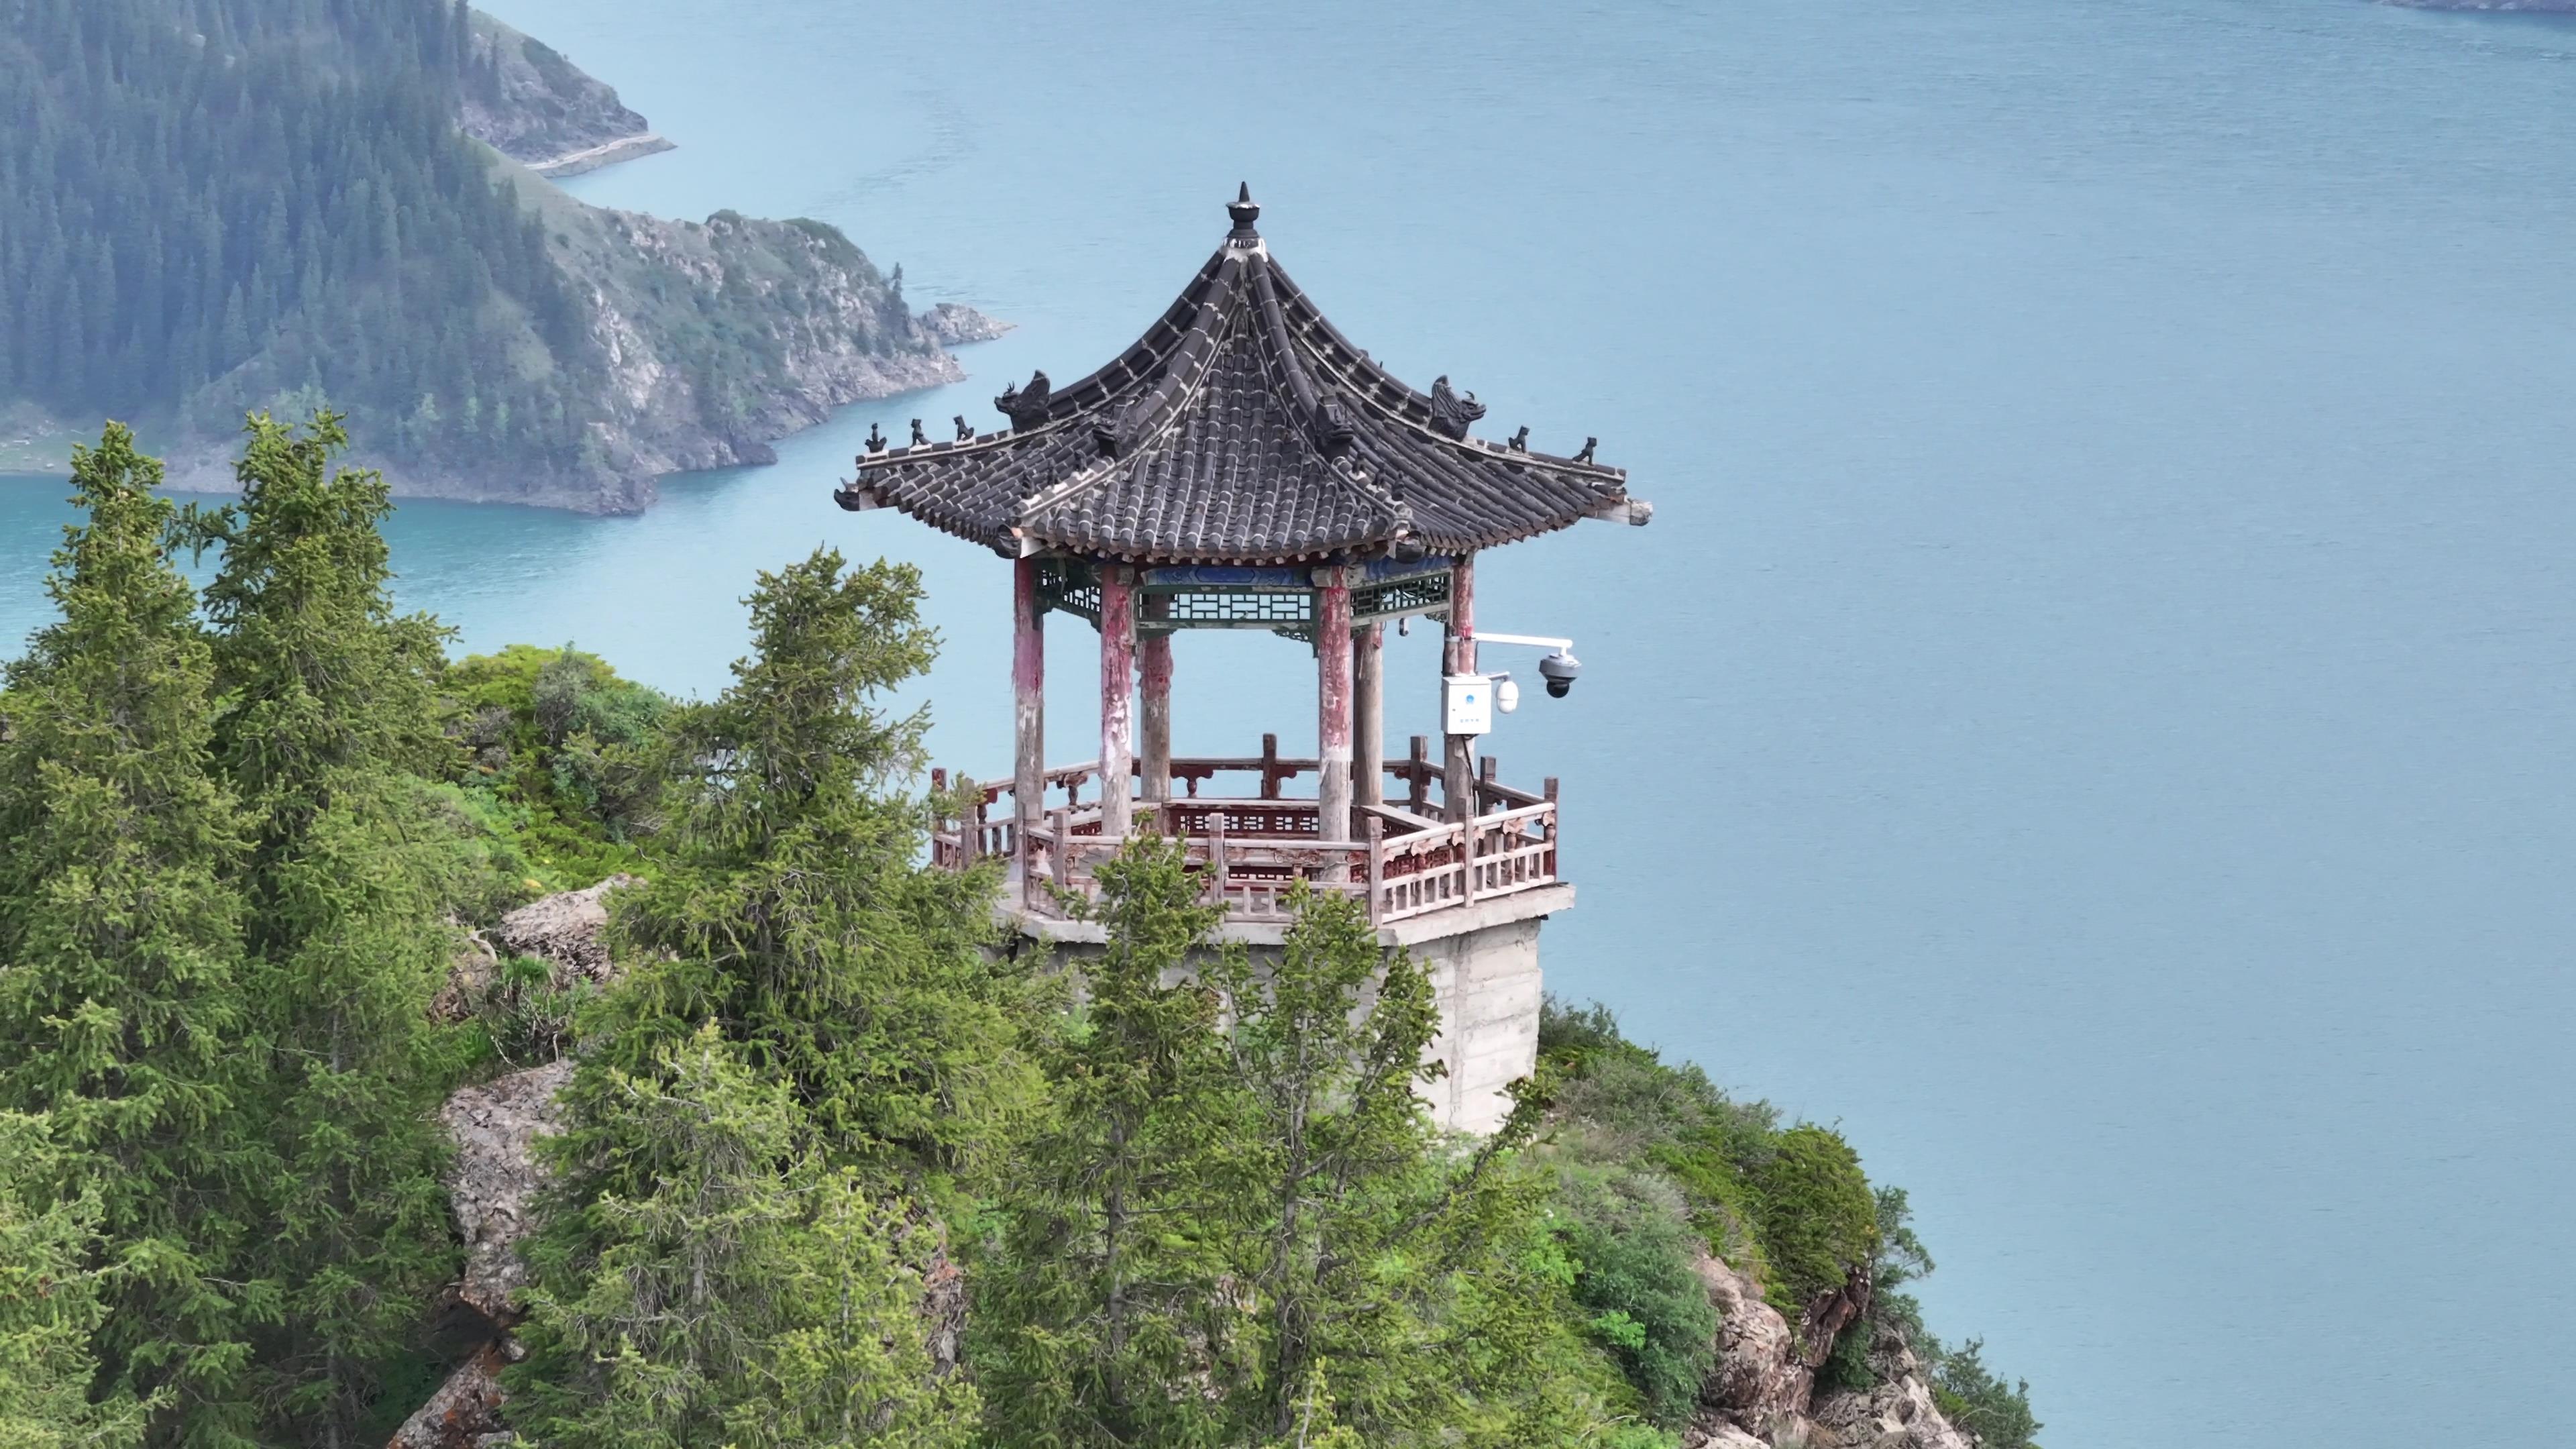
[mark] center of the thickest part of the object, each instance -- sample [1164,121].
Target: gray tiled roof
[1241,428]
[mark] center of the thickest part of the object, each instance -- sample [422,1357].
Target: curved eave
[1011,490]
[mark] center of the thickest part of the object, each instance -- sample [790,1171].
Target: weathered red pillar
[1117,681]
[1333,704]
[1368,714]
[1028,719]
[1458,773]
[1154,688]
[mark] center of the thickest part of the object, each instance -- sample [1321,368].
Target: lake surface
[2092,715]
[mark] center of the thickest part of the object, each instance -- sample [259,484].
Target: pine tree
[747,1294]
[1239,1227]
[123,1009]
[52,1300]
[328,724]
[1345,1140]
[1374,1257]
[1103,1293]
[789,906]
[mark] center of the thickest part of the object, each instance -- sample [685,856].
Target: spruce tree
[1239,1227]
[52,1300]
[1128,1207]
[789,905]
[1344,1141]
[327,725]
[747,1295]
[123,1007]
[809,1038]
[1377,1258]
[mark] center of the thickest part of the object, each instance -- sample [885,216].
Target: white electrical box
[1471,704]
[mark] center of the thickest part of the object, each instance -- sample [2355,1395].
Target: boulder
[1898,1413]
[1760,1378]
[465,1413]
[495,1127]
[569,931]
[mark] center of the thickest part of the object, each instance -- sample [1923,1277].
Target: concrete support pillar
[1117,682]
[1368,714]
[1458,763]
[1028,720]
[1154,690]
[1333,704]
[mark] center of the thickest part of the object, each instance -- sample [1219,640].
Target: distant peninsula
[348,208]
[542,111]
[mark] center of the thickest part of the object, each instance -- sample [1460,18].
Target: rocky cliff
[1762,1391]
[716,337]
[526,101]
[492,1183]
[705,342]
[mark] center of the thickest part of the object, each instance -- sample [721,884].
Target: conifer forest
[828,1166]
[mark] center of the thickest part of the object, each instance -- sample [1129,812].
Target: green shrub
[528,1018]
[1818,1218]
[566,752]
[1634,1278]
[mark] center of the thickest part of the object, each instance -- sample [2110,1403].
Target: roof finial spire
[1245,212]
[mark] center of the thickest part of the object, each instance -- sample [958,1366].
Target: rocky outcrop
[465,1413]
[952,324]
[1896,1413]
[1760,1378]
[717,337]
[1761,1391]
[491,1185]
[495,1177]
[524,100]
[568,930]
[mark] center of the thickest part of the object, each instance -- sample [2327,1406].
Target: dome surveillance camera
[1507,693]
[1559,669]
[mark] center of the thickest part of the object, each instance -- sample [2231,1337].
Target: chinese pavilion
[1243,466]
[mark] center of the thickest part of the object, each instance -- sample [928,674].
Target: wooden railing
[1250,851]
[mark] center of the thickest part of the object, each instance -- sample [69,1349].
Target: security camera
[1559,669]
[1507,693]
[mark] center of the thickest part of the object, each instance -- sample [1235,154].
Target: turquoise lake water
[2092,715]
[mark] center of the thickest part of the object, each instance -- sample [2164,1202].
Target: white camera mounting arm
[1535,641]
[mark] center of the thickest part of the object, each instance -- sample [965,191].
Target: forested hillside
[315,1128]
[211,206]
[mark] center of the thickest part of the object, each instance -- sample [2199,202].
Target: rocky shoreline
[592,158]
[526,101]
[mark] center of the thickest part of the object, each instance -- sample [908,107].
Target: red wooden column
[1458,772]
[1368,714]
[1028,719]
[1333,704]
[1154,685]
[1117,681]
